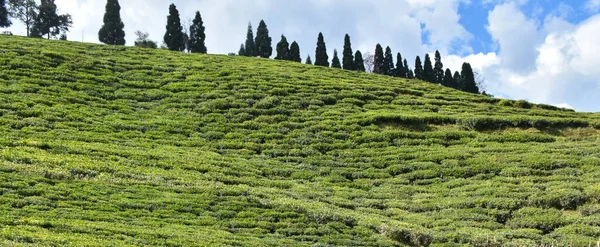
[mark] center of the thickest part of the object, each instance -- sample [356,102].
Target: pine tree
[348,56]
[447,79]
[308,60]
[242,51]
[4,20]
[283,49]
[411,75]
[419,69]
[428,74]
[250,46]
[400,71]
[359,63]
[378,60]
[468,79]
[456,81]
[388,62]
[197,39]
[321,57]
[263,41]
[407,70]
[173,37]
[335,62]
[112,32]
[438,69]
[48,22]
[295,52]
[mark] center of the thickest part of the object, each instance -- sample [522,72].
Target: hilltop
[123,146]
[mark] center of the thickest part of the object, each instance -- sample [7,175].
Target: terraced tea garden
[123,146]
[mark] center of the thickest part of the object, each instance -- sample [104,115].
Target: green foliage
[104,145]
[348,55]
[197,39]
[419,73]
[4,14]
[335,62]
[467,82]
[321,57]
[378,60]
[112,32]
[250,48]
[400,71]
[48,22]
[428,73]
[388,63]
[263,41]
[283,49]
[359,63]
[523,104]
[438,69]
[295,52]
[173,37]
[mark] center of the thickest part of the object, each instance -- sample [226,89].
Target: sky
[544,51]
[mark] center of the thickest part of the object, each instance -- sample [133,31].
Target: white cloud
[592,5]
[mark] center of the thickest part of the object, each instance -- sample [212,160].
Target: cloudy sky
[545,51]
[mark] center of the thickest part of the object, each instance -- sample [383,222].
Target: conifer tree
[295,52]
[400,72]
[359,63]
[173,37]
[321,57]
[457,81]
[419,69]
[335,62]
[388,62]
[428,70]
[447,80]
[4,20]
[468,79]
[242,51]
[438,69]
[378,60]
[112,32]
[197,39]
[411,75]
[283,49]
[308,60]
[407,70]
[250,46]
[348,59]
[263,41]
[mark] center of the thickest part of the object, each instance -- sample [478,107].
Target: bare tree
[143,41]
[480,81]
[186,24]
[369,62]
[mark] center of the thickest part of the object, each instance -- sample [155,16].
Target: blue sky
[543,51]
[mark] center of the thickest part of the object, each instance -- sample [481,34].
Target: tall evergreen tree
[308,60]
[400,72]
[411,75]
[197,39]
[447,79]
[4,20]
[388,62]
[428,70]
[295,52]
[48,22]
[378,60]
[407,70]
[242,51]
[111,32]
[359,63]
[348,59]
[25,11]
[250,46]
[263,41]
[438,69]
[419,69]
[283,49]
[457,81]
[335,62]
[468,79]
[321,57]
[173,37]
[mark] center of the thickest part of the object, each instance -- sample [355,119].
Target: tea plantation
[123,146]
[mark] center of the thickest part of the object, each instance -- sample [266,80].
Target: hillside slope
[120,146]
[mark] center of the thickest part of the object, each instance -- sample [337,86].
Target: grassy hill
[121,146]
